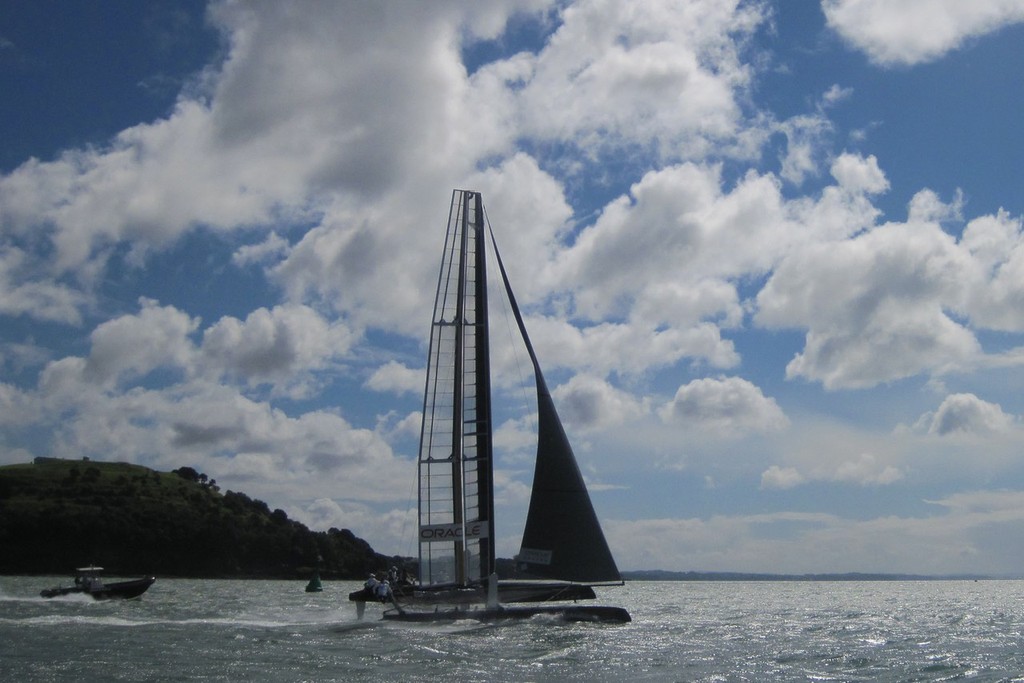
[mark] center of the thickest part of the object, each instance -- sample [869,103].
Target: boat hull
[508,592]
[123,590]
[571,613]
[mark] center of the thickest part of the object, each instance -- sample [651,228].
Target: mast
[456,502]
[482,423]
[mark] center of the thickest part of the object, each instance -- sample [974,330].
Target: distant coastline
[662,575]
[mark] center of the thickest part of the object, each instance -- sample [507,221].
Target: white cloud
[20,357]
[393,426]
[970,537]
[662,72]
[986,502]
[283,344]
[804,138]
[867,470]
[280,346]
[377,264]
[108,405]
[817,453]
[876,307]
[914,31]
[134,345]
[269,251]
[997,245]
[17,408]
[670,257]
[776,477]
[625,348]
[898,299]
[244,444]
[728,406]
[672,230]
[808,138]
[966,414]
[589,403]
[27,289]
[397,378]
[858,174]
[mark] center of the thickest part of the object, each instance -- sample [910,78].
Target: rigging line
[524,394]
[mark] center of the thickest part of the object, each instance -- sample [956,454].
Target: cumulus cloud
[876,307]
[776,477]
[859,174]
[915,31]
[589,403]
[27,291]
[996,243]
[607,347]
[134,345]
[397,378]
[279,344]
[729,406]
[640,73]
[897,299]
[146,392]
[966,414]
[241,442]
[673,228]
[377,263]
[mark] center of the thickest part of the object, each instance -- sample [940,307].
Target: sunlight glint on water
[184,630]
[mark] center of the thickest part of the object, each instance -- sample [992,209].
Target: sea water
[191,630]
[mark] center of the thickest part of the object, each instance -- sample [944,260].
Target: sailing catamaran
[564,552]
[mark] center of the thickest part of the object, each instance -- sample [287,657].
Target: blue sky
[771,256]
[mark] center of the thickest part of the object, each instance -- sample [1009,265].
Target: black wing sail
[563,538]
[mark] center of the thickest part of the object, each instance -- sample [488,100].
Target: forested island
[59,514]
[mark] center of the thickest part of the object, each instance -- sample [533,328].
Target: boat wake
[350,626]
[81,620]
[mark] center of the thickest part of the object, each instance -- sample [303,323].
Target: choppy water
[185,630]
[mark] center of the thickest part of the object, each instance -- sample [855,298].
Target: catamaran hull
[507,593]
[572,613]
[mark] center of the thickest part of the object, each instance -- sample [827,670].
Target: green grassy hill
[59,514]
